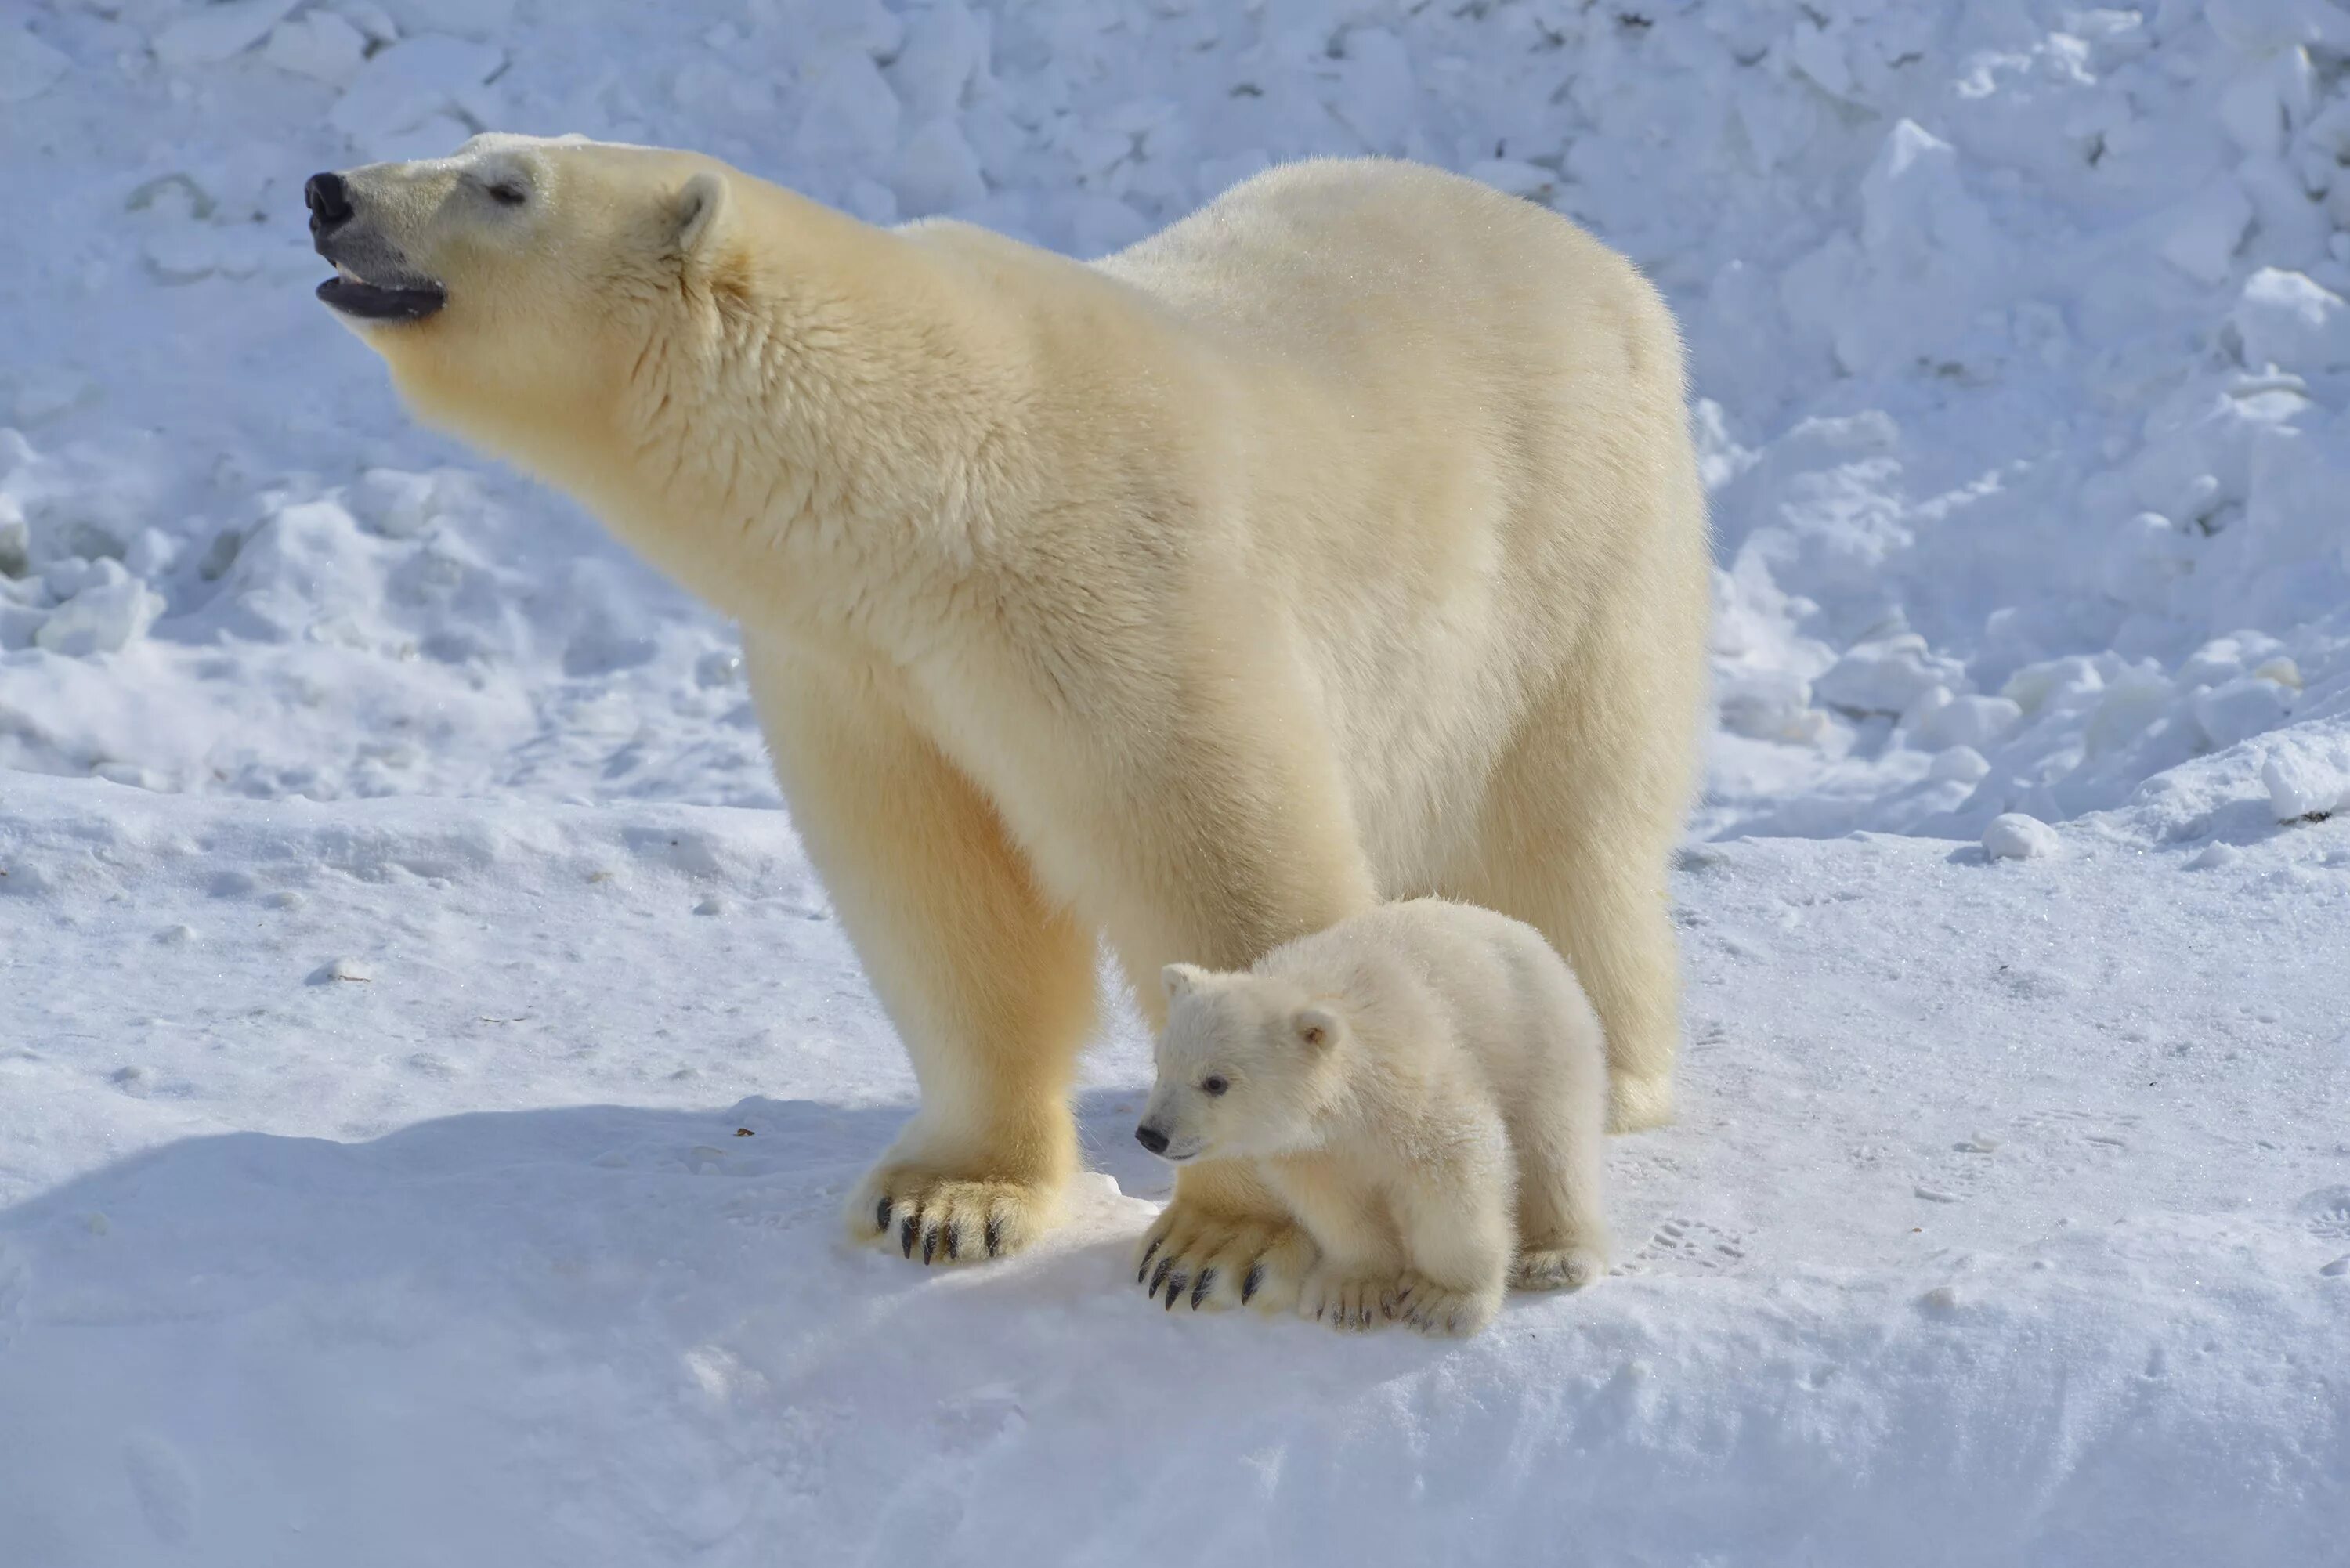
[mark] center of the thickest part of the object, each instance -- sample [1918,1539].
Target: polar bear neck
[827,409]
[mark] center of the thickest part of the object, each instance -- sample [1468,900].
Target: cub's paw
[1442,1313]
[1557,1268]
[1210,1262]
[936,1218]
[1350,1304]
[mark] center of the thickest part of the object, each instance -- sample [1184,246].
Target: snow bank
[1990,482]
[435,1180]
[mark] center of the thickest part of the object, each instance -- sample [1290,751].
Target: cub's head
[512,285]
[1245,1066]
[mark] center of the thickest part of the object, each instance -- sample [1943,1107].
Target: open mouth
[406,300]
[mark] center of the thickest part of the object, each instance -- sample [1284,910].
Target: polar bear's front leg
[992,988]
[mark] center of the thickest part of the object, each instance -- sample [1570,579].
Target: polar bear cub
[1425,1085]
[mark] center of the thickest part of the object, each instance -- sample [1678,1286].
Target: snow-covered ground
[397,931]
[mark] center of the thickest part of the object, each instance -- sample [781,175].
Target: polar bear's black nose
[329,203]
[1151,1138]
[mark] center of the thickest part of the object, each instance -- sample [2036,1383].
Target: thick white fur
[1344,540]
[1424,1086]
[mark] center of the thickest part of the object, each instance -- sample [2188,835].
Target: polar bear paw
[1211,1261]
[1557,1268]
[1350,1303]
[941,1219]
[1442,1313]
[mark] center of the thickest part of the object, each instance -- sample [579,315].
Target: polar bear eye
[507,193]
[1213,1085]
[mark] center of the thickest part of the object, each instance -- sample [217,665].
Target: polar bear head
[1246,1064]
[513,285]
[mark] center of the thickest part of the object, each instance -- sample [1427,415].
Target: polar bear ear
[1179,978]
[698,210]
[1316,1028]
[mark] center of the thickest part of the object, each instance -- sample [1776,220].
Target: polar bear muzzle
[372,280]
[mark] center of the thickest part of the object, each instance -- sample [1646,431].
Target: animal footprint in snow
[1695,1244]
[2326,1211]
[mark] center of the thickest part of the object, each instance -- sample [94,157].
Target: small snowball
[713,905]
[2016,835]
[2216,858]
[2307,777]
[350,969]
[176,935]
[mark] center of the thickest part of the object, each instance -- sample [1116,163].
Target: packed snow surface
[429,1068]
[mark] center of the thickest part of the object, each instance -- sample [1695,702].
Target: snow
[397,926]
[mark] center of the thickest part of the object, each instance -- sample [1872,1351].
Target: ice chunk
[1967,722]
[466,18]
[2014,836]
[938,171]
[318,45]
[1958,764]
[408,84]
[2265,26]
[15,539]
[210,33]
[1886,676]
[28,67]
[2240,709]
[2205,231]
[2292,323]
[110,611]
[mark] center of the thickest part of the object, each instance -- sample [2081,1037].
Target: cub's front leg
[1458,1239]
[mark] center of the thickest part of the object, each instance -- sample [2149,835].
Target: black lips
[371,302]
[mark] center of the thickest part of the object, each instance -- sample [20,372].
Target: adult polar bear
[1344,540]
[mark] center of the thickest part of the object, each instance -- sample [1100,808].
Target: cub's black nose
[1151,1138]
[329,203]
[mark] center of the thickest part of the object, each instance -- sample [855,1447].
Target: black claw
[881,1216]
[1147,1253]
[1174,1289]
[909,1230]
[930,1243]
[1166,1265]
[1202,1286]
[1251,1281]
[995,1237]
[954,1242]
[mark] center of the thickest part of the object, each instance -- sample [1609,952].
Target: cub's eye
[507,194]
[1213,1085]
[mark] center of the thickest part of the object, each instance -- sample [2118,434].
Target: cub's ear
[1179,978]
[697,214]
[1316,1028]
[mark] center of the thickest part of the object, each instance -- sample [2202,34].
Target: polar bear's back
[1458,422]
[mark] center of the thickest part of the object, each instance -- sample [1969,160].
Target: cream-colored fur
[1424,1086]
[1342,541]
